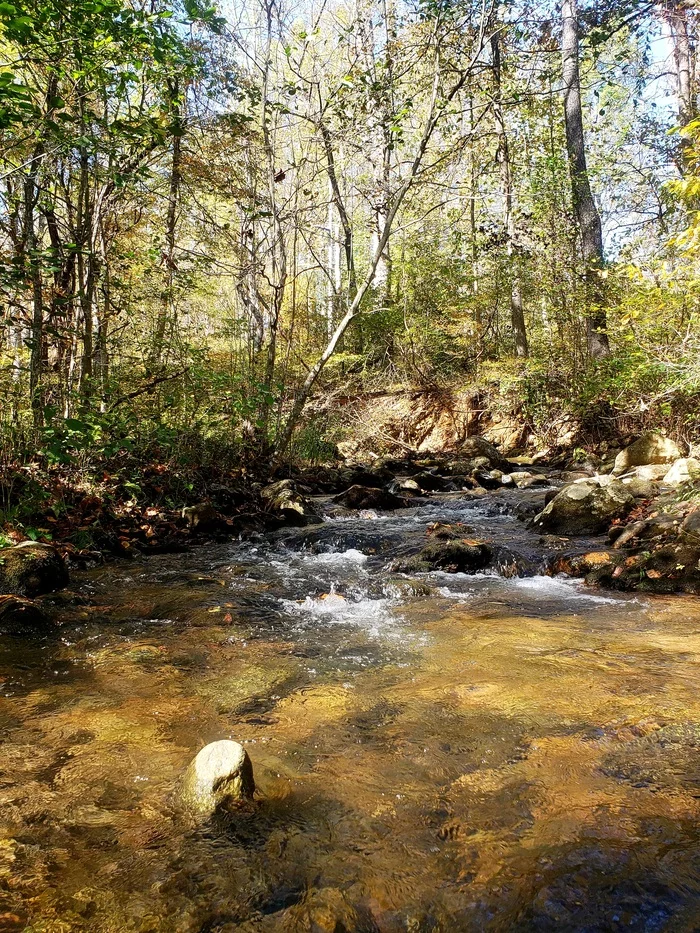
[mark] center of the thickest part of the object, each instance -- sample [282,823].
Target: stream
[436,753]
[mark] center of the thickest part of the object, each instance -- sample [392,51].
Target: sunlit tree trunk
[166,308]
[587,214]
[517,315]
[31,247]
[681,26]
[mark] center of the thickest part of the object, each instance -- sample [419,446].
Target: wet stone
[30,569]
[220,777]
[366,497]
[21,616]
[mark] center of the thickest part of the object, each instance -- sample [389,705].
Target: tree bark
[166,304]
[587,215]
[684,61]
[684,40]
[517,315]
[31,246]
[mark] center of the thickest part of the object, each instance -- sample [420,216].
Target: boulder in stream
[432,482]
[452,556]
[685,470]
[585,508]
[486,480]
[408,488]
[287,503]
[474,447]
[649,448]
[31,569]
[219,778]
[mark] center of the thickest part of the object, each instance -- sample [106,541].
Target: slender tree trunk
[517,315]
[339,202]
[473,186]
[681,27]
[278,251]
[166,304]
[31,247]
[86,273]
[684,61]
[587,214]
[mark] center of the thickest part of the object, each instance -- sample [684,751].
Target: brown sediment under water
[445,753]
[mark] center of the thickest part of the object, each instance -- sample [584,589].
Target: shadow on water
[446,753]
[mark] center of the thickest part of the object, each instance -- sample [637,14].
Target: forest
[216,220]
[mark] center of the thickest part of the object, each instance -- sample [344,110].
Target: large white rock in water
[649,448]
[585,507]
[220,777]
[685,470]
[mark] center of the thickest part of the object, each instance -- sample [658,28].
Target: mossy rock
[30,569]
[287,503]
[585,508]
[452,556]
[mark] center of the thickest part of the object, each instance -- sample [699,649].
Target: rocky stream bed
[447,734]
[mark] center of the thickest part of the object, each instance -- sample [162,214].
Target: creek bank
[654,540]
[651,513]
[647,503]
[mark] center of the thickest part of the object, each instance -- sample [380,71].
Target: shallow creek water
[452,753]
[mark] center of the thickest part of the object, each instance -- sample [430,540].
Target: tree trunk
[478,323]
[684,61]
[86,273]
[168,257]
[517,315]
[587,215]
[31,247]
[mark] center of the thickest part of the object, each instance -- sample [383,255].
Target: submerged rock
[650,448]
[30,569]
[585,508]
[220,777]
[453,556]
[365,497]
[21,616]
[581,565]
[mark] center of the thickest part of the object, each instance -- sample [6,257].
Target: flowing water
[442,753]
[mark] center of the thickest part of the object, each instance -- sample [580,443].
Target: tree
[504,161]
[587,215]
[446,78]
